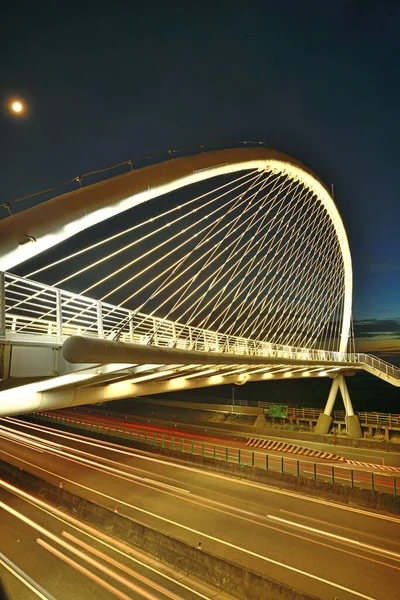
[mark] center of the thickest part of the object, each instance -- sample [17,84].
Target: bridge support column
[325,419]
[352,421]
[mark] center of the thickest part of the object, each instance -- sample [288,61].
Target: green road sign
[278,410]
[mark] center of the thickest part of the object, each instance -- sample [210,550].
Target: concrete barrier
[336,492]
[235,579]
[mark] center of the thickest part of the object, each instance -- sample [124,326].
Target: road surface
[323,549]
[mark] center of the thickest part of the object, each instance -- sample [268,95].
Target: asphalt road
[212,446]
[323,549]
[47,554]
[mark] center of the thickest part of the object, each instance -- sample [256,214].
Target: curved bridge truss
[245,255]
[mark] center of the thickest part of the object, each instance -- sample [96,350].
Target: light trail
[224,542]
[342,472]
[369,547]
[147,456]
[25,579]
[81,569]
[96,535]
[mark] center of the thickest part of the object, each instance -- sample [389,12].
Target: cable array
[255,255]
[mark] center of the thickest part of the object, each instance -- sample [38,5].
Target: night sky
[319,80]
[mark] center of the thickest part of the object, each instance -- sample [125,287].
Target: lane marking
[256,520]
[143,455]
[98,466]
[15,571]
[97,535]
[94,563]
[393,555]
[341,527]
[219,541]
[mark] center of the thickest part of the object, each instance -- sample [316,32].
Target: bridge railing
[379,364]
[32,310]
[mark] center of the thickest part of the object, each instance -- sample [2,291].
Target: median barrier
[349,495]
[238,432]
[233,578]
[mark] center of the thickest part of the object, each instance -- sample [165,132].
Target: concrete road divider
[190,558]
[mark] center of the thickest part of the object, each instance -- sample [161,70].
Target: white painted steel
[51,311]
[103,202]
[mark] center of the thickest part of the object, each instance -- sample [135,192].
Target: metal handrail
[30,308]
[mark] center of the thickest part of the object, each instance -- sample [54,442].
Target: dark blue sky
[318,80]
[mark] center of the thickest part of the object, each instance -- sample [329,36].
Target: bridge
[238,270]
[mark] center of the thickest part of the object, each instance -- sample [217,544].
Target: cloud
[381,336]
[377,327]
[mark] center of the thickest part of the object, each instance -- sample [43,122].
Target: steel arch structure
[29,233]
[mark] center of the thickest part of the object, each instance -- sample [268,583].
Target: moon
[17,107]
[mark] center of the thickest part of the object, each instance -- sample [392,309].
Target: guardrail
[299,412]
[33,310]
[244,456]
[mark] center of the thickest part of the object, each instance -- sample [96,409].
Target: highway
[323,549]
[208,443]
[48,554]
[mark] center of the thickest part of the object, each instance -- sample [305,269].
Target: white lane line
[83,570]
[94,563]
[394,555]
[100,466]
[143,455]
[25,579]
[165,485]
[75,455]
[205,535]
[94,534]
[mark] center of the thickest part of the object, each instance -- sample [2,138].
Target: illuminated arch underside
[52,222]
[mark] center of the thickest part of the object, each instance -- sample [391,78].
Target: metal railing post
[2,305]
[100,331]
[190,338]
[155,338]
[131,325]
[59,316]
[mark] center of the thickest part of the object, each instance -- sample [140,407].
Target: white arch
[30,232]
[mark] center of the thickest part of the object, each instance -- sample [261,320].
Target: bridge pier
[325,419]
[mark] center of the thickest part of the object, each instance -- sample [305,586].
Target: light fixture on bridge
[200,373]
[151,376]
